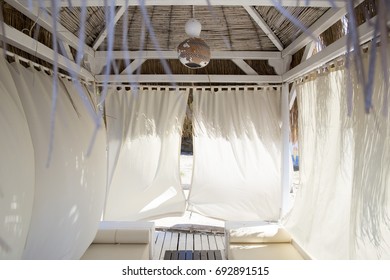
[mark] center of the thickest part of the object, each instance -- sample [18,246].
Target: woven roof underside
[223,28]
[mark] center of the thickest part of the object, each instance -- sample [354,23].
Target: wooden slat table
[193,255]
[169,240]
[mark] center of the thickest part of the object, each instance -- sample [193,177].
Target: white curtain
[321,209]
[69,192]
[341,210]
[237,154]
[370,209]
[144,136]
[17,171]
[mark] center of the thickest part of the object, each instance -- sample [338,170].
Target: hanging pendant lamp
[193,52]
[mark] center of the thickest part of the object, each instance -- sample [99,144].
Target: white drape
[370,207]
[144,134]
[69,193]
[17,171]
[237,154]
[323,201]
[341,210]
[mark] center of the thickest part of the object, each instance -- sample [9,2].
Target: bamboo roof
[230,28]
[223,27]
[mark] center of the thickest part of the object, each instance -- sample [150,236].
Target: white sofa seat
[260,241]
[117,240]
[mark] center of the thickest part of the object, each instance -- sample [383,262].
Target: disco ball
[194,53]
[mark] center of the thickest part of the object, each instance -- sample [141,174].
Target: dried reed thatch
[17,20]
[223,28]
[284,29]
[365,11]
[95,21]
[261,67]
[215,67]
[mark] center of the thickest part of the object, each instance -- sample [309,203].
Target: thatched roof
[224,28]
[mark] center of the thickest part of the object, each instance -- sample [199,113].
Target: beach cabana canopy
[95,102]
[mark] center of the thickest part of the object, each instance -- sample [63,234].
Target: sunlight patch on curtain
[237,154]
[144,136]
[69,193]
[17,169]
[342,208]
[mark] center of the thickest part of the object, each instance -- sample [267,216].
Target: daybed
[260,241]
[117,240]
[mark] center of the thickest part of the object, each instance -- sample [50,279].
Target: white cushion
[117,252]
[141,236]
[125,225]
[265,251]
[105,236]
[259,234]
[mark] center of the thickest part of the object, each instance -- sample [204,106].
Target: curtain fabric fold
[68,194]
[17,169]
[321,212]
[237,154]
[342,210]
[144,136]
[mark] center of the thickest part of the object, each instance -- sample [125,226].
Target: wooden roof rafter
[103,34]
[238,57]
[264,26]
[46,21]
[286,3]
[323,23]
[25,43]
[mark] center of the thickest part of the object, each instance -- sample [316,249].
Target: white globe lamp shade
[193,27]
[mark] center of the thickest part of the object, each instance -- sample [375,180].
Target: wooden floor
[172,240]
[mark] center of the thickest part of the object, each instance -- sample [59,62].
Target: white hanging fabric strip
[370,209]
[69,193]
[320,216]
[237,154]
[17,170]
[144,136]
[341,210]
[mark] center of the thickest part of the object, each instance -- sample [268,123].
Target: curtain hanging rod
[212,88]
[335,63]
[45,69]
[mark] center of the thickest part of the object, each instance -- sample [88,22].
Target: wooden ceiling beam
[245,67]
[151,78]
[103,34]
[25,43]
[249,55]
[317,28]
[46,21]
[264,26]
[285,3]
[133,66]
[338,48]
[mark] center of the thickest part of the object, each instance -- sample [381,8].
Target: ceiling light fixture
[193,52]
